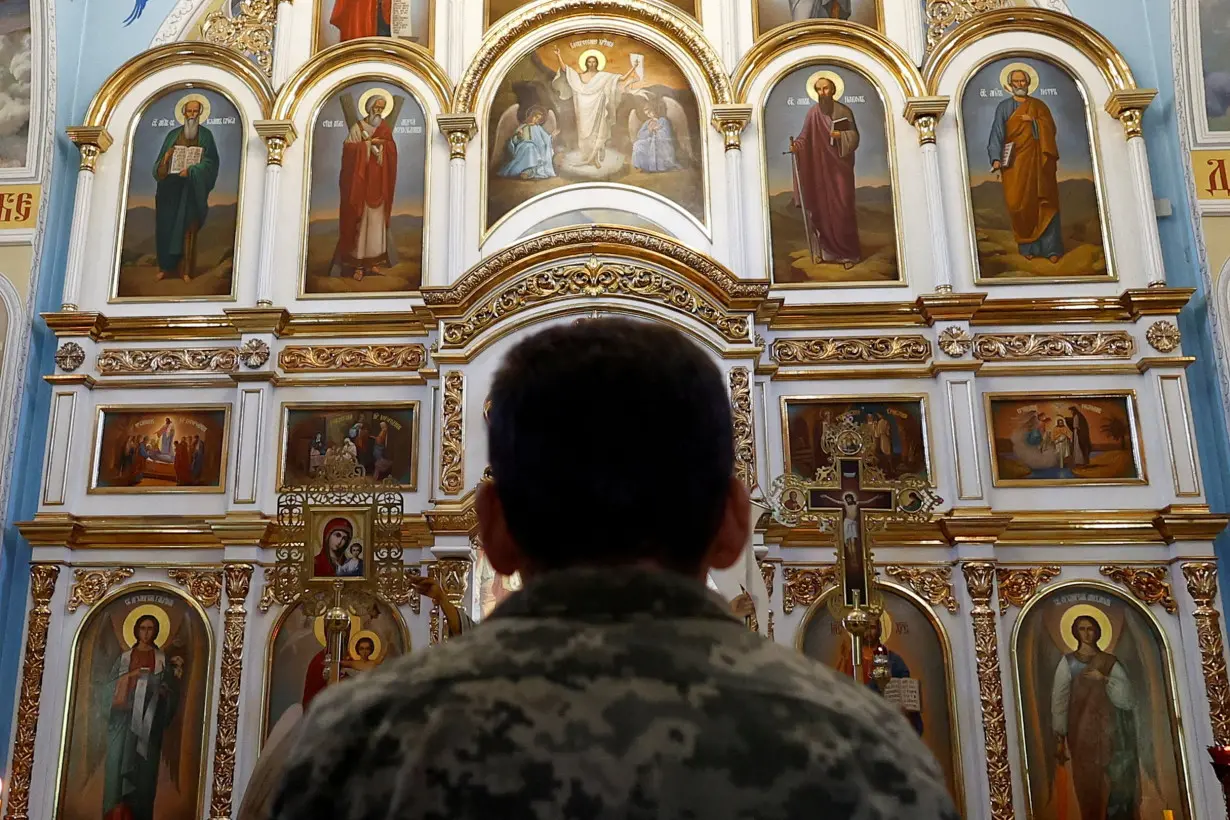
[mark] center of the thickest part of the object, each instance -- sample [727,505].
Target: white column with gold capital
[730,120]
[278,135]
[92,141]
[459,129]
[1128,106]
[924,114]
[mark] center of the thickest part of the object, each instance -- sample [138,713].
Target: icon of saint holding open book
[824,186]
[186,172]
[902,690]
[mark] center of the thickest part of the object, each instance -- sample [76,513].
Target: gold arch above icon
[1087,610]
[366,97]
[200,99]
[158,613]
[592,52]
[839,85]
[1005,76]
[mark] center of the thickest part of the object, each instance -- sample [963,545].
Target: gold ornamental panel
[980,581]
[1202,586]
[1148,584]
[168,360]
[932,584]
[238,581]
[1018,587]
[1113,344]
[90,585]
[857,349]
[744,428]
[336,358]
[250,32]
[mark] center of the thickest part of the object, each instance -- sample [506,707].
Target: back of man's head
[610,443]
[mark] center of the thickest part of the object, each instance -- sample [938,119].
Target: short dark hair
[610,442]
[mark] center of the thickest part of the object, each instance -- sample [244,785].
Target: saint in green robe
[182,201]
[144,695]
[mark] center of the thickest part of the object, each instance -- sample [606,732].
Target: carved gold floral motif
[1018,586]
[745,439]
[955,341]
[169,360]
[42,587]
[238,580]
[203,585]
[803,586]
[250,32]
[944,14]
[452,434]
[595,278]
[932,583]
[90,585]
[395,586]
[1114,344]
[352,357]
[852,349]
[70,356]
[768,571]
[254,353]
[1163,336]
[979,579]
[1148,584]
[1202,585]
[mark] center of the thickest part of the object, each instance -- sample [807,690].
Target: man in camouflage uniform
[613,685]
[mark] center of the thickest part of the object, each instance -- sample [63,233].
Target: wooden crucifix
[851,498]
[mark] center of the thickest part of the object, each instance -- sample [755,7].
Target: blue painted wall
[91,42]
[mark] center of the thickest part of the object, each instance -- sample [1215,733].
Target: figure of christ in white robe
[595,98]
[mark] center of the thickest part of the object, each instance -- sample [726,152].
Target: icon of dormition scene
[594,108]
[153,449]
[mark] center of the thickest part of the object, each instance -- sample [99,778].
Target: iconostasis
[939,230]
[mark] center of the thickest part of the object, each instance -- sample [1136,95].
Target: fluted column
[278,135]
[1128,107]
[924,114]
[730,120]
[91,141]
[281,44]
[460,129]
[456,38]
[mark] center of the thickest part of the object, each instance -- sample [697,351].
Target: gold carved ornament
[250,32]
[1163,336]
[980,580]
[42,587]
[171,360]
[203,585]
[1017,587]
[934,584]
[955,341]
[803,586]
[70,356]
[1148,584]
[353,357]
[944,14]
[768,571]
[744,433]
[852,349]
[452,574]
[1115,344]
[90,585]
[238,580]
[452,434]
[254,353]
[1202,586]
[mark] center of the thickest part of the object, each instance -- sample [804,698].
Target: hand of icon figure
[429,587]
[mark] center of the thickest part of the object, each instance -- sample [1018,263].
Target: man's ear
[498,545]
[736,526]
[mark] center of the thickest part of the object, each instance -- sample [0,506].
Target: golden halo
[160,614]
[831,76]
[366,97]
[187,98]
[592,52]
[318,628]
[377,644]
[1027,68]
[1076,611]
[886,626]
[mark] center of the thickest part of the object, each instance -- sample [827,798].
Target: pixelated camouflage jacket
[608,694]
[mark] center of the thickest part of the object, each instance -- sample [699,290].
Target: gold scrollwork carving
[944,14]
[203,585]
[955,341]
[70,356]
[768,571]
[933,583]
[595,278]
[238,580]
[42,587]
[169,360]
[1018,586]
[851,349]
[452,574]
[352,357]
[250,32]
[744,433]
[1202,586]
[452,434]
[1114,344]
[395,585]
[1163,336]
[980,581]
[803,586]
[1148,584]
[90,585]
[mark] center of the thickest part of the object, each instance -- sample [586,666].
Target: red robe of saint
[825,184]
[314,680]
[367,181]
[357,18]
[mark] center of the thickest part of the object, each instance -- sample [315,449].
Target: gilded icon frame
[924,415]
[100,412]
[758,33]
[415,406]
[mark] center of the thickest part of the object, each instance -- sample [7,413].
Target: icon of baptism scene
[587,109]
[366,198]
[897,426]
[182,205]
[339,21]
[831,213]
[497,9]
[379,438]
[1064,439]
[918,681]
[773,13]
[136,726]
[161,449]
[1097,709]
[1033,187]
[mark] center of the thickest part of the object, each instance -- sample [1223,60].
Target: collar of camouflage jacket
[613,594]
